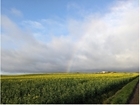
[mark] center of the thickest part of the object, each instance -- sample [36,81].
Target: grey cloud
[113,45]
[32,56]
[92,44]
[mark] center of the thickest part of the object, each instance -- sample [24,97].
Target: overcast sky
[40,36]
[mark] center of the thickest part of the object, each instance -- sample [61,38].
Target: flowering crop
[61,88]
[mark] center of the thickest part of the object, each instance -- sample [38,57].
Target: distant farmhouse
[104,72]
[107,72]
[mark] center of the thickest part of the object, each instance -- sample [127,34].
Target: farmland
[78,88]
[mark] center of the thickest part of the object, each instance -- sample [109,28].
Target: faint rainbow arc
[79,45]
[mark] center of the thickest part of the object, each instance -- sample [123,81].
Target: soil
[135,96]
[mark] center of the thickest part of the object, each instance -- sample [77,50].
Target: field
[77,88]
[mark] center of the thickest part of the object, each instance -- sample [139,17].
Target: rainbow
[78,47]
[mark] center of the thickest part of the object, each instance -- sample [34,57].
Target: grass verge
[123,95]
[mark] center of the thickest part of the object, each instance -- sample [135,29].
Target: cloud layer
[96,42]
[16,12]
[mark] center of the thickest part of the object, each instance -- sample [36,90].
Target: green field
[63,88]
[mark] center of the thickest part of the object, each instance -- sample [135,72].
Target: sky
[43,36]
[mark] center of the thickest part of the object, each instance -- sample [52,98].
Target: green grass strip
[122,96]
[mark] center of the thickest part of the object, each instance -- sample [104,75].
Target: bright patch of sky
[69,35]
[47,18]
[36,9]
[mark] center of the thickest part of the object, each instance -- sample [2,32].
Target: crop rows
[78,89]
